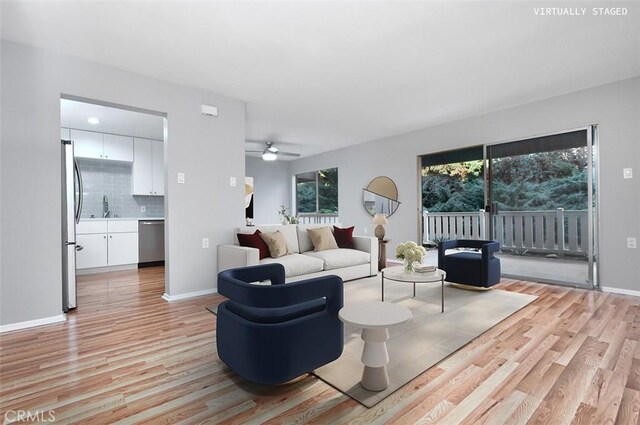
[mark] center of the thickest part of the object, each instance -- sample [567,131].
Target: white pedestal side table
[375,319]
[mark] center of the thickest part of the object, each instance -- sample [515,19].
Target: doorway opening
[114,198]
[536,196]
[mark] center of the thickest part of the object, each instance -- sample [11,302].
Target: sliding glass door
[536,197]
[541,200]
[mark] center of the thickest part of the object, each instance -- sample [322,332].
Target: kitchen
[113,218]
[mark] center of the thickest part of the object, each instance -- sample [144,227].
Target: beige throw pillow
[276,242]
[322,239]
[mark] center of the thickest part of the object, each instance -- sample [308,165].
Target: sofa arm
[233,256]
[370,245]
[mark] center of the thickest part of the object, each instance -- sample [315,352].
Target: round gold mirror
[380,196]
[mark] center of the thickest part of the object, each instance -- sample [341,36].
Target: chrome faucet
[105,207]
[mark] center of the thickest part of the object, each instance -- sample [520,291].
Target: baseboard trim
[171,298]
[33,323]
[620,291]
[107,269]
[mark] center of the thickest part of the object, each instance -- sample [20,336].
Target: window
[317,192]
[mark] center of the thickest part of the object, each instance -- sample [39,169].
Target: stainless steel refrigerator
[71,210]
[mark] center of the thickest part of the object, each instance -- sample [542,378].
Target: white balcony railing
[313,218]
[559,231]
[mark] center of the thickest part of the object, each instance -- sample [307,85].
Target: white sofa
[303,262]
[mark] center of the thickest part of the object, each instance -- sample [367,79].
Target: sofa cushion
[344,237]
[288,230]
[339,258]
[277,243]
[322,239]
[297,264]
[254,241]
[304,241]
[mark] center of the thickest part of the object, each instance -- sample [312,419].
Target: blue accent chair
[481,269]
[270,334]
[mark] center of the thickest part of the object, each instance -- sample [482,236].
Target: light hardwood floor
[126,356]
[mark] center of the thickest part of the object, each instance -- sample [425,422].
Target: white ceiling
[75,114]
[323,75]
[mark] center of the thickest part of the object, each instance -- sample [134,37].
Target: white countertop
[121,219]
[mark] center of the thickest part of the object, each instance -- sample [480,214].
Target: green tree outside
[533,182]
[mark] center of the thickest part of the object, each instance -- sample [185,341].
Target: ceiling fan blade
[288,154]
[253,151]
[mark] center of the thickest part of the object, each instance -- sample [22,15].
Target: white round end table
[375,319]
[398,274]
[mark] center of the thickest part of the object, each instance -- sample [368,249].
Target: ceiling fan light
[269,156]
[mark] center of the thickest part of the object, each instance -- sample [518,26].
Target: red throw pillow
[254,241]
[344,237]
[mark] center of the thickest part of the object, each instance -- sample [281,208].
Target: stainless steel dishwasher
[150,242]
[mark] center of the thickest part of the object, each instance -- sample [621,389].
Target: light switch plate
[627,173]
[632,243]
[143,209]
[232,181]
[365,230]
[205,242]
[181,178]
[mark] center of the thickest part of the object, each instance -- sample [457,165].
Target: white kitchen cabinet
[148,167]
[87,144]
[142,167]
[118,148]
[110,147]
[157,150]
[123,248]
[93,252]
[106,243]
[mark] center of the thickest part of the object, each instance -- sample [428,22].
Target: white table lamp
[380,220]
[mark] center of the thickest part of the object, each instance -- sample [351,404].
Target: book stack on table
[424,268]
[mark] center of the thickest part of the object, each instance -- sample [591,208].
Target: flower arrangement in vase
[411,253]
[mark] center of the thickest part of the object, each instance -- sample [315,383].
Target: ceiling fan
[270,152]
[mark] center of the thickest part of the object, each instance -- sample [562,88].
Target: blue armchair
[270,334]
[470,268]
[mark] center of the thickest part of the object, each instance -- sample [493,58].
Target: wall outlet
[365,230]
[232,181]
[181,178]
[632,243]
[205,242]
[143,209]
[627,173]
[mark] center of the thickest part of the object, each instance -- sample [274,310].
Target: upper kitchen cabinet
[118,148]
[148,167]
[157,149]
[89,144]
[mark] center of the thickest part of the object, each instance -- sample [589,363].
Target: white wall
[207,150]
[615,107]
[272,186]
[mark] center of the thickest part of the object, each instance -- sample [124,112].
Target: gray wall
[113,179]
[207,150]
[272,186]
[615,107]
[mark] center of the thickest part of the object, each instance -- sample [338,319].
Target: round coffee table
[375,319]
[398,274]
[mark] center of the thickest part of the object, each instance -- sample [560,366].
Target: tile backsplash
[113,179]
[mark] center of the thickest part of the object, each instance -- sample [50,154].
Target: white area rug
[422,343]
